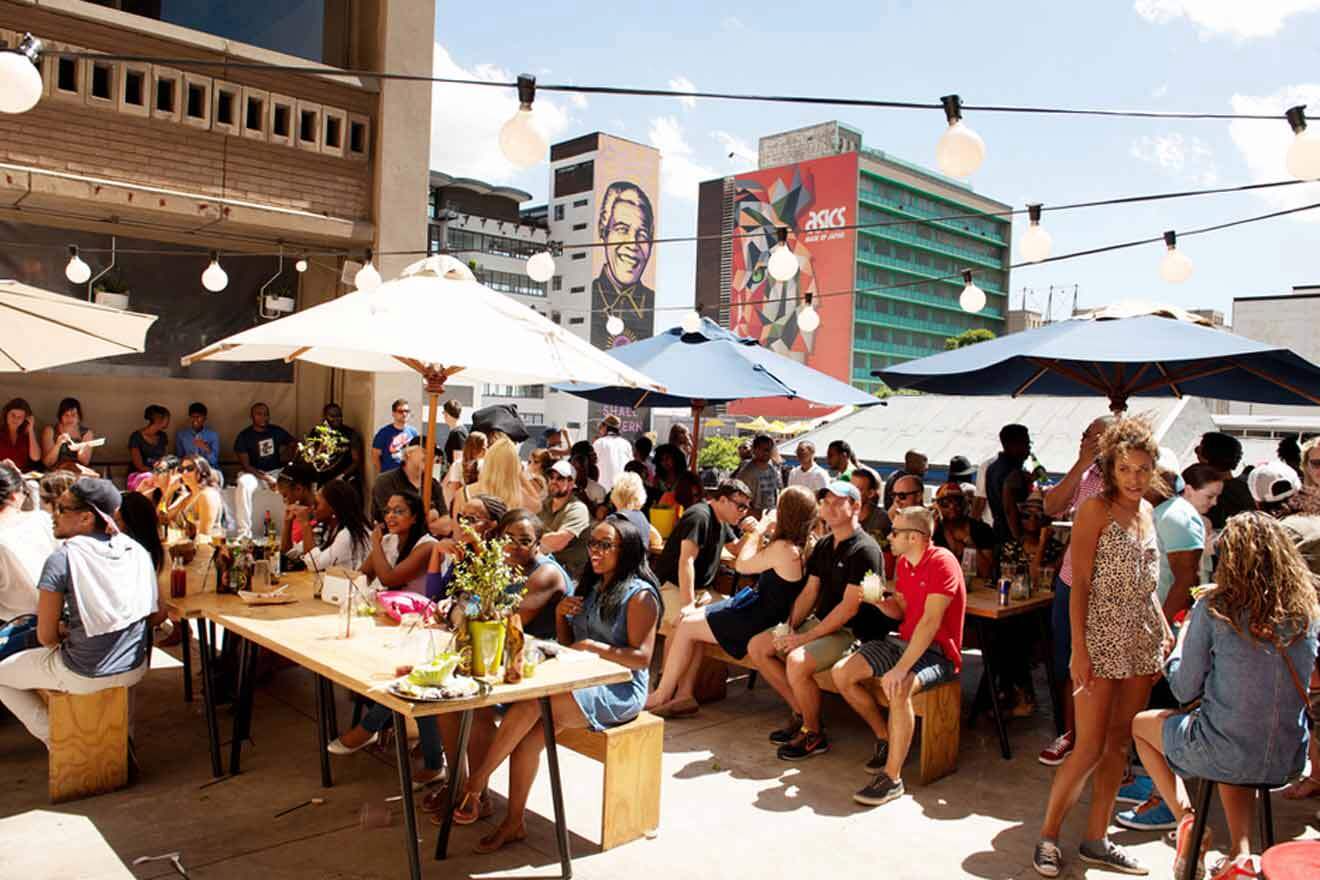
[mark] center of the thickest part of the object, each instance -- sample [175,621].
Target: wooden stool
[1202,814]
[632,755]
[1295,860]
[88,742]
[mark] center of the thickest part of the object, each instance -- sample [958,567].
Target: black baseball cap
[100,495]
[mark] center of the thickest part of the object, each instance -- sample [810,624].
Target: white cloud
[683,84]
[1263,145]
[466,120]
[680,173]
[1188,158]
[1160,91]
[733,23]
[736,147]
[1235,18]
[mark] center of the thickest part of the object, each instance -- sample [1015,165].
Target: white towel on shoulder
[114,582]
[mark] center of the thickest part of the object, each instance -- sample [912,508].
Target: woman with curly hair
[1120,641]
[1234,656]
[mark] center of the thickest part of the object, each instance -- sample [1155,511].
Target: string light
[692,322]
[960,151]
[520,142]
[614,325]
[783,262]
[808,319]
[77,271]
[972,298]
[1303,157]
[367,278]
[1176,267]
[20,76]
[301,265]
[1036,242]
[541,267]
[215,279]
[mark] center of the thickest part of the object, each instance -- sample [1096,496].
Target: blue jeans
[1061,626]
[379,717]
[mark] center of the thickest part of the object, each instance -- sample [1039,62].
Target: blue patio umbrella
[715,365]
[1146,356]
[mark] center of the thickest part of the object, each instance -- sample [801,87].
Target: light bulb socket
[526,90]
[1296,117]
[1033,213]
[782,232]
[952,108]
[30,48]
[1171,239]
[73,252]
[807,299]
[370,254]
[215,256]
[967,276]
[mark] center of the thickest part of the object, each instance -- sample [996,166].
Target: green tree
[720,453]
[968,337]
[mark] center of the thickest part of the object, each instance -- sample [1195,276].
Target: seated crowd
[1176,587]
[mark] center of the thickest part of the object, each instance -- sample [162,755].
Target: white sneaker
[337,747]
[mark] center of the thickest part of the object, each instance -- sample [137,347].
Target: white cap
[1273,481]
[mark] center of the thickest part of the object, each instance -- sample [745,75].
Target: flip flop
[684,708]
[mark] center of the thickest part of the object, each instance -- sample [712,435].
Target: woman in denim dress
[1250,725]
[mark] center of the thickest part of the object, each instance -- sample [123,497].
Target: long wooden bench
[88,742]
[939,710]
[632,754]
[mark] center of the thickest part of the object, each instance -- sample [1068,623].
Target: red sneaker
[1241,868]
[1053,754]
[1183,846]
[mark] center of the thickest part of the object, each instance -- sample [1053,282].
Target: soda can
[1005,584]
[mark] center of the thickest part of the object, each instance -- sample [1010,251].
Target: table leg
[1051,674]
[405,787]
[556,789]
[208,698]
[455,784]
[988,682]
[322,726]
[186,656]
[331,712]
[247,685]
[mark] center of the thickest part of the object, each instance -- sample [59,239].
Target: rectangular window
[580,203]
[570,179]
[135,88]
[579,255]
[577,320]
[532,418]
[578,289]
[103,81]
[66,75]
[559,212]
[557,283]
[578,227]
[357,137]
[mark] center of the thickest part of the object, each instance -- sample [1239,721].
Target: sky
[1188,55]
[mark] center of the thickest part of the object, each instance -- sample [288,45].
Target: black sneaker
[880,758]
[1047,859]
[810,742]
[1106,853]
[882,790]
[785,735]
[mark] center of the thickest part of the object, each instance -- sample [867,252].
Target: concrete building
[483,225]
[1289,320]
[1018,320]
[879,291]
[147,167]
[604,207]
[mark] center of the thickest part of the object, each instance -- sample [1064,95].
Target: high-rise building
[604,192]
[884,294]
[1288,320]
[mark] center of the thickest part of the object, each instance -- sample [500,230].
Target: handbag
[1311,712]
[18,634]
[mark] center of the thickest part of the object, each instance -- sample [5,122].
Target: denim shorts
[931,668]
[1061,629]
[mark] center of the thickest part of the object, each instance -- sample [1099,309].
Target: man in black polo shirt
[691,558]
[828,617]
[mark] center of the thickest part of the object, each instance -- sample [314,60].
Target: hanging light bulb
[972,298]
[692,322]
[783,262]
[301,265]
[614,325]
[808,319]
[20,77]
[541,267]
[960,151]
[520,142]
[1176,267]
[76,270]
[1304,152]
[367,278]
[215,279]
[1036,242]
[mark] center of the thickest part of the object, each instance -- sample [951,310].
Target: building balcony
[898,209]
[900,322]
[871,346]
[920,271]
[912,295]
[895,233]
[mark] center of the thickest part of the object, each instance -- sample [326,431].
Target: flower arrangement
[322,447]
[481,581]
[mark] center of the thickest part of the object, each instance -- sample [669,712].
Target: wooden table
[983,611]
[311,634]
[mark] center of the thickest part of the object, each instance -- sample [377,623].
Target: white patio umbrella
[437,320]
[44,329]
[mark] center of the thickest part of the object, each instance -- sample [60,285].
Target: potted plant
[322,448]
[111,290]
[482,597]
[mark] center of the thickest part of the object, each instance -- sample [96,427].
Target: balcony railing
[897,207]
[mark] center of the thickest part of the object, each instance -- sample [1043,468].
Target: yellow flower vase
[487,646]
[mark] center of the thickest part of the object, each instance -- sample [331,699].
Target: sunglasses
[912,531]
[188,469]
[915,493]
[65,508]
[950,501]
[601,546]
[1313,462]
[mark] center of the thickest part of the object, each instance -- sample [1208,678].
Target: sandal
[437,802]
[1303,789]
[492,842]
[468,810]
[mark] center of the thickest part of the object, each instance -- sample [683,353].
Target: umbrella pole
[434,393]
[696,434]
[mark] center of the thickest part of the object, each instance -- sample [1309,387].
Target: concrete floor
[730,808]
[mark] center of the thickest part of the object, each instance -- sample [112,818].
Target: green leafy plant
[720,453]
[322,447]
[111,282]
[968,337]
[482,578]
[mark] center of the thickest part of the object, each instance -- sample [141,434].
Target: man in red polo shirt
[926,650]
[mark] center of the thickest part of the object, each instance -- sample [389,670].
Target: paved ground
[730,808]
